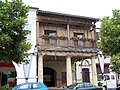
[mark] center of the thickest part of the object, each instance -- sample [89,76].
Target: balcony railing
[80,44]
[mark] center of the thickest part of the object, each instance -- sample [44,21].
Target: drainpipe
[68,30]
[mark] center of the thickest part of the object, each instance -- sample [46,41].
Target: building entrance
[7,74]
[8,78]
[85,75]
[49,76]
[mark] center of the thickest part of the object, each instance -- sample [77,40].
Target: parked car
[83,86]
[31,86]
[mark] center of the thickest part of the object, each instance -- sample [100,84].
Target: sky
[89,8]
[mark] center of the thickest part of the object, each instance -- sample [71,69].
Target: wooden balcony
[63,45]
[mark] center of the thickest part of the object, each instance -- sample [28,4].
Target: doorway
[49,77]
[85,75]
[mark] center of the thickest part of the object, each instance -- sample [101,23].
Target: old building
[62,40]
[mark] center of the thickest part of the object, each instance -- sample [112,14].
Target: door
[85,75]
[4,79]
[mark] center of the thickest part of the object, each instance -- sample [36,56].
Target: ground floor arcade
[66,68]
[59,70]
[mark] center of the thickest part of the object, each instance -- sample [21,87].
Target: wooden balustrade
[64,43]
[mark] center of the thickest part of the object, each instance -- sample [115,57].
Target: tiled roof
[67,15]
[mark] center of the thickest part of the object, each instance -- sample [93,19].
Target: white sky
[89,8]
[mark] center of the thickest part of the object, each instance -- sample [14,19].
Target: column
[94,71]
[69,70]
[78,72]
[40,68]
[68,30]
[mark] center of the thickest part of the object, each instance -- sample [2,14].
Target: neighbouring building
[12,73]
[7,73]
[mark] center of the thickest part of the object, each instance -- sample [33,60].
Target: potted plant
[48,37]
[45,37]
[84,39]
[91,39]
[88,39]
[53,37]
[74,38]
[62,37]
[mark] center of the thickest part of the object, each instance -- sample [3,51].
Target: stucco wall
[30,68]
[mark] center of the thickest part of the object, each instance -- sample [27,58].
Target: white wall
[83,64]
[31,69]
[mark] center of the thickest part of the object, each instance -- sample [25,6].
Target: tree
[110,38]
[13,37]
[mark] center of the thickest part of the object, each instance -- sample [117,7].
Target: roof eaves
[68,15]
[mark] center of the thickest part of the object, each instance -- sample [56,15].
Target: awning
[6,64]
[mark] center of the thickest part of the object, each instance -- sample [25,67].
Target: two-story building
[62,40]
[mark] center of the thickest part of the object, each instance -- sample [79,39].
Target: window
[25,87]
[52,41]
[35,86]
[112,77]
[87,85]
[79,36]
[72,86]
[81,85]
[106,77]
[51,33]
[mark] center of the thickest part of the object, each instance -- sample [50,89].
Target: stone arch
[85,70]
[85,62]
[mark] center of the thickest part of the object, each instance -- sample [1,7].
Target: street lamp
[36,52]
[26,68]
[37,49]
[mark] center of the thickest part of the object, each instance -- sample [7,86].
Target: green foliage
[110,37]
[13,37]
[115,64]
[6,87]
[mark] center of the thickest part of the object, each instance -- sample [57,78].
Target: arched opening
[49,76]
[85,75]
[7,74]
